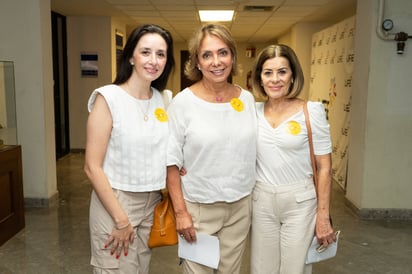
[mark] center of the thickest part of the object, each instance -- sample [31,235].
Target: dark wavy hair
[124,70]
[273,51]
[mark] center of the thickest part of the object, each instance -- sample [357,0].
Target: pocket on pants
[305,195]
[101,256]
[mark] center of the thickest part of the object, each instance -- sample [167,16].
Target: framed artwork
[89,64]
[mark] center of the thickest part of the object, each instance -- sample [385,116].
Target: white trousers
[283,225]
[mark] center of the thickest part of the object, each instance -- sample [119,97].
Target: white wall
[26,40]
[86,35]
[380,154]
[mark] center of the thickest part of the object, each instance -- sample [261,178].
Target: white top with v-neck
[283,155]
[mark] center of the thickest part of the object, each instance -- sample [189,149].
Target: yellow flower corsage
[294,127]
[161,115]
[237,104]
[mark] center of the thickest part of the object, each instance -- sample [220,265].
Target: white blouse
[283,155]
[217,146]
[136,154]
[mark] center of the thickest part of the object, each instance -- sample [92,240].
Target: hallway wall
[25,31]
[86,35]
[380,154]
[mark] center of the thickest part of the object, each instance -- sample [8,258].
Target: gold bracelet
[123,227]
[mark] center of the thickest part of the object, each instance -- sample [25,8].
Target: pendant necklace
[145,114]
[139,102]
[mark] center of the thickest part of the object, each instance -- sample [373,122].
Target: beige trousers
[283,225]
[230,222]
[139,207]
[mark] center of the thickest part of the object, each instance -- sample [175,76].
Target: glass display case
[8,120]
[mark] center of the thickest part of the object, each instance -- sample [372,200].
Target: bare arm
[99,127]
[184,223]
[324,230]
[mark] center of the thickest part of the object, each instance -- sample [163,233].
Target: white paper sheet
[204,251]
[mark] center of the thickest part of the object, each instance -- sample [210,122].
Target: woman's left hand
[324,231]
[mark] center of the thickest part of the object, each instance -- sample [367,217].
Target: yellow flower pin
[161,115]
[237,104]
[294,127]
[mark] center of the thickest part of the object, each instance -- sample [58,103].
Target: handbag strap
[312,153]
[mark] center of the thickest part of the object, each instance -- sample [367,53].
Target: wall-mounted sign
[89,65]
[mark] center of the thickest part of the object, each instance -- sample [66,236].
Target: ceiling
[180,17]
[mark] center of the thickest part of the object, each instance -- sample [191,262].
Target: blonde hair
[220,31]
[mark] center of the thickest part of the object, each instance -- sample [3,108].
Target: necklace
[145,113]
[209,93]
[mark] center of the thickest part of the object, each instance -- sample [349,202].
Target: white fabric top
[136,154]
[217,146]
[283,155]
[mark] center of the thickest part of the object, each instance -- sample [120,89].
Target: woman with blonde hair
[213,136]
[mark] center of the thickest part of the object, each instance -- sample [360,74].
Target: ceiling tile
[181,17]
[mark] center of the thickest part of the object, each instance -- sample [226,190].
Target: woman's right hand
[119,240]
[184,222]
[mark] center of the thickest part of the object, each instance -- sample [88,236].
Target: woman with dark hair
[125,159]
[286,210]
[213,136]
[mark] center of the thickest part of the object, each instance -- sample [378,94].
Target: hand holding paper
[316,255]
[204,251]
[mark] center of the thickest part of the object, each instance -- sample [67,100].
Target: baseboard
[41,202]
[77,150]
[379,213]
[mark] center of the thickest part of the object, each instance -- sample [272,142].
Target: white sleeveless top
[136,154]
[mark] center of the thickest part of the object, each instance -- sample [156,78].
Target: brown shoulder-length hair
[220,31]
[273,51]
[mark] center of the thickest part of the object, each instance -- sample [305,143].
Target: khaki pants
[283,225]
[139,207]
[230,222]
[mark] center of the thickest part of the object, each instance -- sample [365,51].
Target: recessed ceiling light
[215,15]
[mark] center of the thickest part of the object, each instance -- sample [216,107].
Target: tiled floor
[56,239]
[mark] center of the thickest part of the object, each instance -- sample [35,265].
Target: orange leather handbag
[163,232]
